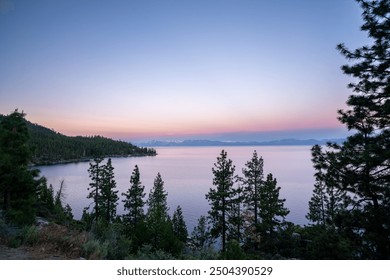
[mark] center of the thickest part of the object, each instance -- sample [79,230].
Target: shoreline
[68,161]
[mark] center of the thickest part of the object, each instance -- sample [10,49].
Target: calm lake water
[187,174]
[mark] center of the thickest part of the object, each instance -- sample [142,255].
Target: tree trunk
[223,225]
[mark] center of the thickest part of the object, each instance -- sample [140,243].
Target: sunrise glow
[144,69]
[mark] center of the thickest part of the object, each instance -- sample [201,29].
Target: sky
[186,69]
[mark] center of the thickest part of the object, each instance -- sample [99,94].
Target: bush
[29,235]
[146,252]
[94,250]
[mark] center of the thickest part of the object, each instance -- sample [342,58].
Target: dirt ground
[7,253]
[54,242]
[28,253]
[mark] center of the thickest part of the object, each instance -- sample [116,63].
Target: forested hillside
[51,147]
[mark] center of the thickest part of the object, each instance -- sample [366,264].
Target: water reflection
[187,174]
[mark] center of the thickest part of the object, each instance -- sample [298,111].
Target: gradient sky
[140,69]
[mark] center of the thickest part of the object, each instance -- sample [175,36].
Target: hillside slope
[50,147]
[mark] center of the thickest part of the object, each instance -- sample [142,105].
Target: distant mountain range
[197,143]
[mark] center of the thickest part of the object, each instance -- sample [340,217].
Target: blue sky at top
[178,69]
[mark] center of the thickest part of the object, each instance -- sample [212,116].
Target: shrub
[30,235]
[94,250]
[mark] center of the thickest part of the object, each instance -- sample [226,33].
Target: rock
[41,222]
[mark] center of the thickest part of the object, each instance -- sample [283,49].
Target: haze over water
[187,174]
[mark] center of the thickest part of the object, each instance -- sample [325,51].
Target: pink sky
[195,68]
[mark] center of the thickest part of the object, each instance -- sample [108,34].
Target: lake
[187,174]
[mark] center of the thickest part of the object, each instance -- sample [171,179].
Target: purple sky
[142,70]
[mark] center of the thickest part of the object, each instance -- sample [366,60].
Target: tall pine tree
[134,201]
[253,180]
[95,173]
[134,215]
[272,212]
[363,160]
[157,218]
[220,198]
[108,195]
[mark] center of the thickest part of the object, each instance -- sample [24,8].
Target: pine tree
[108,194]
[272,212]
[179,225]
[317,204]
[200,236]
[329,200]
[157,218]
[45,199]
[253,180]
[328,233]
[363,160]
[18,186]
[68,213]
[59,211]
[95,173]
[220,198]
[133,202]
[234,214]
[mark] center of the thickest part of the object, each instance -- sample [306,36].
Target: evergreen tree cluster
[23,194]
[48,146]
[18,184]
[155,228]
[246,210]
[50,203]
[231,218]
[103,191]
